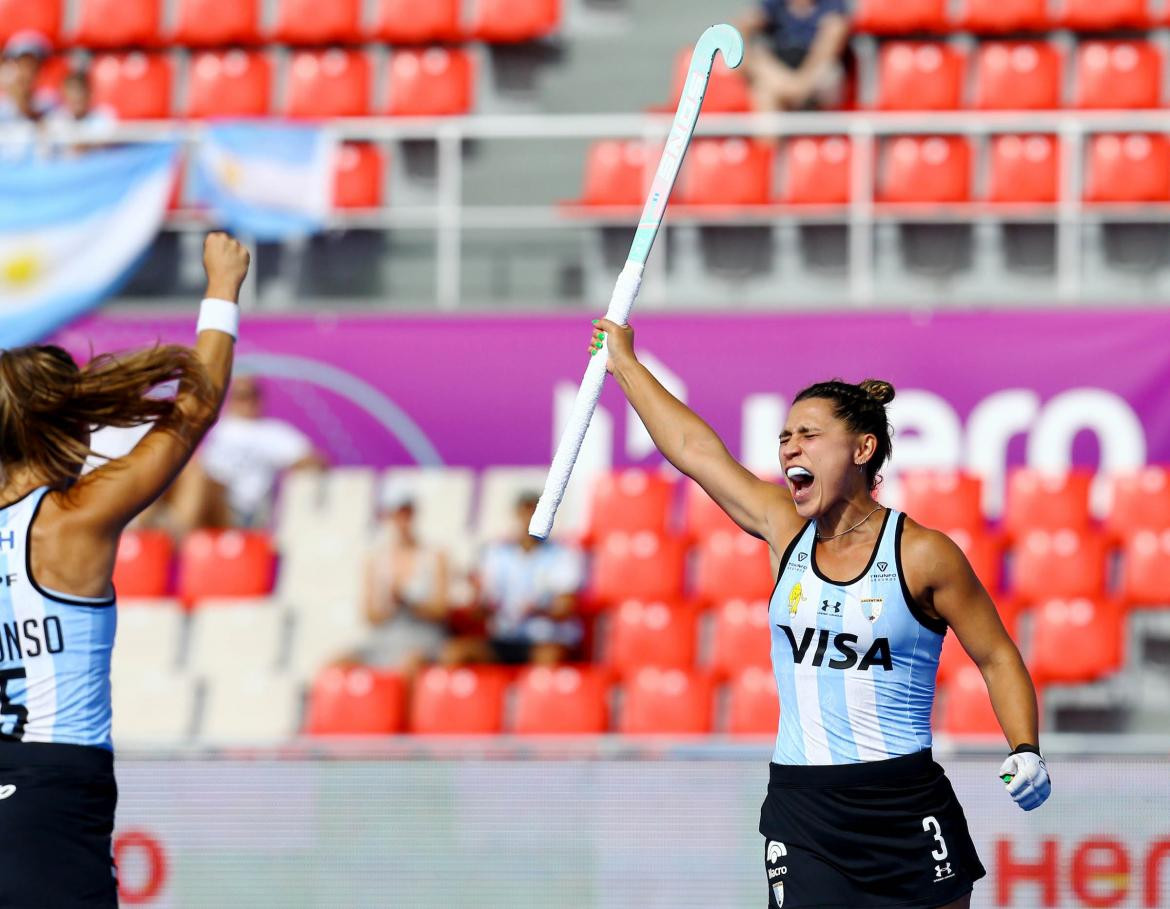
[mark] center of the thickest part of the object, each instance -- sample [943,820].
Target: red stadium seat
[667,702]
[356,701]
[741,637]
[727,92]
[1133,167]
[1118,74]
[117,23]
[898,17]
[359,176]
[817,171]
[52,75]
[142,567]
[411,22]
[227,563]
[1041,500]
[983,552]
[137,86]
[217,23]
[650,633]
[1059,563]
[733,565]
[329,83]
[1144,578]
[1024,169]
[640,566]
[919,76]
[430,83]
[726,172]
[312,22]
[630,500]
[701,516]
[42,16]
[458,702]
[618,173]
[953,657]
[1018,75]
[1075,640]
[1141,501]
[925,169]
[229,84]
[938,499]
[562,700]
[1002,16]
[966,709]
[1104,15]
[511,21]
[754,705]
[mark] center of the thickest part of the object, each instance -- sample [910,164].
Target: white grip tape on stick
[620,304]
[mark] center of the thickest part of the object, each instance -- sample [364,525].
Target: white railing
[449,217]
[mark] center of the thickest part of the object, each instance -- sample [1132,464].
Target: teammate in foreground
[857,814]
[58,539]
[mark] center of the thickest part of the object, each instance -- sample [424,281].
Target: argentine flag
[73,230]
[266,181]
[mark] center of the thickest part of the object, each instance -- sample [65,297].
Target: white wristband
[219,315]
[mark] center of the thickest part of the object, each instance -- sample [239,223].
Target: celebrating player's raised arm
[762,509]
[112,495]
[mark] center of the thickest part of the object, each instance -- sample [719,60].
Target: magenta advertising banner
[977,390]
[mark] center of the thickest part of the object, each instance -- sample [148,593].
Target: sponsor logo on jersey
[801,556]
[882,566]
[6,791]
[795,598]
[845,646]
[871,608]
[883,572]
[778,892]
[776,851]
[31,638]
[943,872]
[830,608]
[7,539]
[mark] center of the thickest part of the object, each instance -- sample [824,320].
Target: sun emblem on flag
[21,269]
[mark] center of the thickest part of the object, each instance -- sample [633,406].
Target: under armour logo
[802,556]
[942,872]
[882,566]
[827,607]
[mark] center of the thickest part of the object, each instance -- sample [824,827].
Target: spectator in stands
[77,114]
[22,107]
[527,590]
[794,51]
[405,595]
[247,452]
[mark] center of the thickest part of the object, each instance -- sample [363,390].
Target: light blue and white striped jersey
[54,649]
[855,662]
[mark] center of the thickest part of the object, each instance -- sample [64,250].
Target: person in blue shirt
[794,51]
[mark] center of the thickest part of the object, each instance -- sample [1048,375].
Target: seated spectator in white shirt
[22,105]
[77,117]
[528,594]
[247,453]
[405,594]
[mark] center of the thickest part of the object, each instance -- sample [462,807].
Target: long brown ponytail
[49,405]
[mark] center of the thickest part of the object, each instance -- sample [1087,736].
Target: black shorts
[876,835]
[56,826]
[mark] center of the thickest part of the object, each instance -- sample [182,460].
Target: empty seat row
[320,84]
[1000,16]
[1120,168]
[220,23]
[209,564]
[1016,75]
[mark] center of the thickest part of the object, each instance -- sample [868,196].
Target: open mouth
[800,479]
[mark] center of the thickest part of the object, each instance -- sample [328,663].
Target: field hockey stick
[722,39]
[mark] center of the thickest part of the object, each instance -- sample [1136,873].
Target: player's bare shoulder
[929,556]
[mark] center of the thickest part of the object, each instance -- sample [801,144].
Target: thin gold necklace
[851,529]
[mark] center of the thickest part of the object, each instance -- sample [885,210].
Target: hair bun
[882,392]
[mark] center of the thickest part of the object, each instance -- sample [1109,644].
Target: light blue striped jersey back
[54,649]
[855,662]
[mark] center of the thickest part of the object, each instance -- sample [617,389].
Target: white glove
[1027,780]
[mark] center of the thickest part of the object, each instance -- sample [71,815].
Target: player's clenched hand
[1026,776]
[226,262]
[618,341]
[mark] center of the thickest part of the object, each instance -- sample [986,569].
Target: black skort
[57,822]
[876,835]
